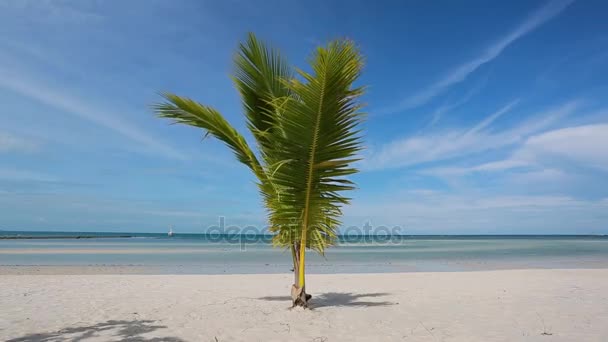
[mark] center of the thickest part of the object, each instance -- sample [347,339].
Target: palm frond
[186,111]
[318,141]
[259,75]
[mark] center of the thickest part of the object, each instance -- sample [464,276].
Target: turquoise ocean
[219,254]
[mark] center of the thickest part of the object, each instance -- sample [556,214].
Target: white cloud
[453,143]
[443,213]
[9,143]
[111,212]
[80,108]
[12,174]
[490,119]
[583,145]
[542,176]
[460,73]
[579,146]
[500,165]
[442,110]
[53,11]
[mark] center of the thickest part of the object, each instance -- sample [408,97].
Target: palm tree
[305,125]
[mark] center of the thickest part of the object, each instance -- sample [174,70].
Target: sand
[516,305]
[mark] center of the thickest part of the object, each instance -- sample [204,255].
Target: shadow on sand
[339,299]
[114,330]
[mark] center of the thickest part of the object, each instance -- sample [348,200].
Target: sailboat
[170,233]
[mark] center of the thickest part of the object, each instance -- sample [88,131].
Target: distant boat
[170,233]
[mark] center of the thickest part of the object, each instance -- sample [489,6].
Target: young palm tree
[306,131]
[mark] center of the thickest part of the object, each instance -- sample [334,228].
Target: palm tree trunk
[295,248]
[298,293]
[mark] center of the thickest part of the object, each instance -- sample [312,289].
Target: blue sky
[484,117]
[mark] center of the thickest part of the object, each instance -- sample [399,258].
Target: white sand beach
[518,305]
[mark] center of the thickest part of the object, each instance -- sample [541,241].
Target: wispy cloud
[12,174]
[460,73]
[442,110]
[63,11]
[444,213]
[10,143]
[112,212]
[442,145]
[500,165]
[574,147]
[585,146]
[490,119]
[80,108]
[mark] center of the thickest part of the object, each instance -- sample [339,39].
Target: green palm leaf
[319,138]
[186,111]
[259,76]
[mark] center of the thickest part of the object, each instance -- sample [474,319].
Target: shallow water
[194,253]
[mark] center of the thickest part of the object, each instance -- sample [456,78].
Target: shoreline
[280,269]
[544,305]
[284,268]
